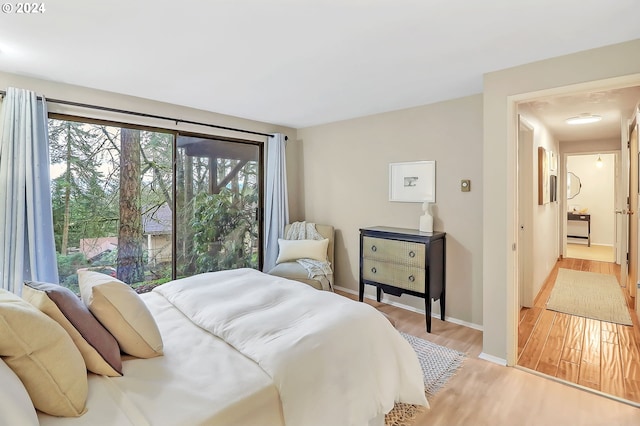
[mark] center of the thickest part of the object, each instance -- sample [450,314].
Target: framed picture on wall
[412,182]
[553,188]
[543,177]
[553,161]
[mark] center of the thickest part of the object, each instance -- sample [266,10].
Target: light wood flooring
[596,354]
[484,393]
[594,252]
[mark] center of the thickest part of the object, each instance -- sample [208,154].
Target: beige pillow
[122,312]
[98,347]
[43,356]
[302,249]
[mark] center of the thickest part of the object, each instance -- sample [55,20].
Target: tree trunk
[67,197]
[130,264]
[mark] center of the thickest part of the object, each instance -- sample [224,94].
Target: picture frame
[553,161]
[544,182]
[412,182]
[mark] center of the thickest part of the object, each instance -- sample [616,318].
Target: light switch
[465,185]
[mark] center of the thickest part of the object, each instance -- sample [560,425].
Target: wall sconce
[599,162]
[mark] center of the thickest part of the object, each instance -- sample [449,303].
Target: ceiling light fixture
[599,162]
[583,119]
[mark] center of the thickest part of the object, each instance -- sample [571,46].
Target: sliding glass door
[218,199]
[128,204]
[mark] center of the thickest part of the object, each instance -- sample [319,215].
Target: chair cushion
[295,271]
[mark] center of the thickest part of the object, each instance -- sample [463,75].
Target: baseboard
[413,309]
[493,359]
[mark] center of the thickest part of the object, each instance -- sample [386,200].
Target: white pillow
[302,249]
[121,311]
[16,407]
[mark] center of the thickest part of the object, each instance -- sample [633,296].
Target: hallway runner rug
[590,295]
[438,364]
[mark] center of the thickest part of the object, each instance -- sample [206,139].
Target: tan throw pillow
[43,356]
[291,250]
[98,347]
[122,312]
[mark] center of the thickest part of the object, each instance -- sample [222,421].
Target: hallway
[591,353]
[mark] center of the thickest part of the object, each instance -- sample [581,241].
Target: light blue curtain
[27,245]
[276,200]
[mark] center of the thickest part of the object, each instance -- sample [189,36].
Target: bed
[245,348]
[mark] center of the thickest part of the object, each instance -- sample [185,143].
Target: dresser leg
[378,294]
[427,310]
[442,306]
[361,291]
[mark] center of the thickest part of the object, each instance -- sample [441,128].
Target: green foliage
[224,229]
[67,270]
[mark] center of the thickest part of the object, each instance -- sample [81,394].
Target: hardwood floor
[596,354]
[484,393]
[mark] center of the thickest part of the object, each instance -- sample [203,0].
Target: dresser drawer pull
[412,253]
[412,278]
[374,270]
[374,248]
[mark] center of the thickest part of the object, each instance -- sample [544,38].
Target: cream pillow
[15,406]
[302,249]
[119,308]
[98,347]
[43,356]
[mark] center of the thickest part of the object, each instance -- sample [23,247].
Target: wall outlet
[465,185]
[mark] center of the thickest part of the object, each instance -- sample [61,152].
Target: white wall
[545,248]
[596,195]
[346,184]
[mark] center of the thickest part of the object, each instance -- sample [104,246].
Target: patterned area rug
[438,365]
[590,295]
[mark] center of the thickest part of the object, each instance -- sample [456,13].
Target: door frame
[633,216]
[564,203]
[513,293]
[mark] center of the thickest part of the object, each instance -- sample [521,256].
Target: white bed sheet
[333,360]
[200,380]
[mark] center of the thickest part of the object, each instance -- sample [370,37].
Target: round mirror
[573,185]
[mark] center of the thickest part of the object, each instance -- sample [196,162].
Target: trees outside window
[113,196]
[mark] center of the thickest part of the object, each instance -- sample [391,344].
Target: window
[118,192]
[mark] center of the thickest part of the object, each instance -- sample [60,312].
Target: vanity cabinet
[399,260]
[586,218]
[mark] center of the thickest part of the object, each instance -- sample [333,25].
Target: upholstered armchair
[287,265]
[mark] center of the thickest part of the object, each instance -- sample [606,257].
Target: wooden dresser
[398,260]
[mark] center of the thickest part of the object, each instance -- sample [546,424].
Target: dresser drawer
[401,276]
[393,251]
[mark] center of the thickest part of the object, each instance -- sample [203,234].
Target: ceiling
[614,106]
[300,63]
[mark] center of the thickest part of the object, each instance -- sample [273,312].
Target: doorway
[571,348]
[590,206]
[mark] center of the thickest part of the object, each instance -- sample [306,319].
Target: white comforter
[333,360]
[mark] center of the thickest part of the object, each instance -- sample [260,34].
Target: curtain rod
[142,114]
